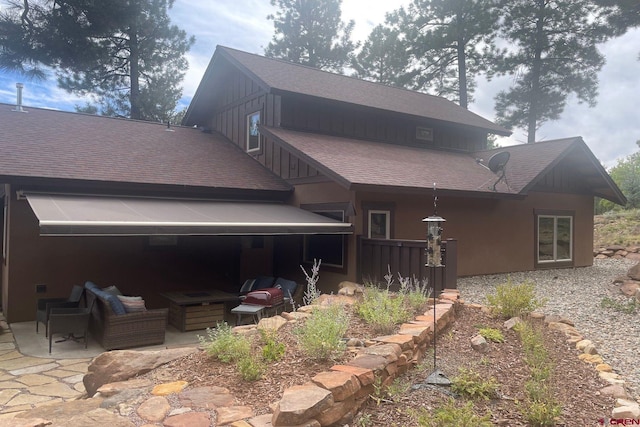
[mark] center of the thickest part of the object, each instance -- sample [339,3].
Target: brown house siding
[494,235]
[312,115]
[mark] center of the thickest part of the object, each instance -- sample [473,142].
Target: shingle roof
[279,75]
[54,144]
[364,163]
[355,162]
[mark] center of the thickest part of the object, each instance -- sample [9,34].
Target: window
[253,135]
[554,235]
[379,224]
[330,248]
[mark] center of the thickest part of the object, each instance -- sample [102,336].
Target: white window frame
[387,214]
[248,147]
[555,239]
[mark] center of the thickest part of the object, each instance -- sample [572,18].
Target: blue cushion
[247,286]
[116,305]
[262,282]
[288,286]
[90,285]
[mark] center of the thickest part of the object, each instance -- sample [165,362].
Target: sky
[610,129]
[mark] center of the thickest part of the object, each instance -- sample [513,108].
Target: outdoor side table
[248,310]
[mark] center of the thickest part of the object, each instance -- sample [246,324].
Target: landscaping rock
[111,389]
[300,404]
[509,324]
[169,388]
[479,344]
[273,323]
[230,414]
[350,288]
[120,365]
[210,397]
[626,412]
[190,419]
[342,385]
[616,391]
[634,272]
[154,409]
[389,351]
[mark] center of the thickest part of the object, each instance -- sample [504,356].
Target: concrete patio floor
[37,345]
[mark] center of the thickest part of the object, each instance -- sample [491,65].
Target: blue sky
[610,129]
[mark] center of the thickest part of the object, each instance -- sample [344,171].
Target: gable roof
[365,164]
[52,144]
[530,163]
[278,76]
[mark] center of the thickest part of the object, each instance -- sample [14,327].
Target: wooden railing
[376,257]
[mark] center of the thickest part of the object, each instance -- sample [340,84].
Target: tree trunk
[462,64]
[536,71]
[134,64]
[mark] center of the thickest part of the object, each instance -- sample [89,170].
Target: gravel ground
[577,294]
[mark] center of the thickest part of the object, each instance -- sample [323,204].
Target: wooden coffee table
[191,310]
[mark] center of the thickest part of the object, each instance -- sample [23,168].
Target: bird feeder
[434,240]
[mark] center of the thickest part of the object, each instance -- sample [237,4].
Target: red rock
[206,397]
[189,419]
[300,404]
[230,414]
[364,375]
[634,272]
[342,385]
[629,287]
[405,342]
[154,409]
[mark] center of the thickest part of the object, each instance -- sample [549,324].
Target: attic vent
[424,134]
[19,108]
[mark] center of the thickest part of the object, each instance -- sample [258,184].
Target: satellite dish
[498,161]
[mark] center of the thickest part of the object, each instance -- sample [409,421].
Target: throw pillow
[112,290]
[132,304]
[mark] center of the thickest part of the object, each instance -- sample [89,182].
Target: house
[278,164]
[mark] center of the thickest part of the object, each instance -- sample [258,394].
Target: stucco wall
[494,235]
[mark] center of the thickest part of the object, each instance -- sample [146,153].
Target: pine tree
[311,32]
[553,53]
[126,53]
[448,42]
[383,57]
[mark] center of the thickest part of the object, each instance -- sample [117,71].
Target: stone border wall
[334,397]
[617,252]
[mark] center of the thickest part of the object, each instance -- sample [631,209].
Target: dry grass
[617,228]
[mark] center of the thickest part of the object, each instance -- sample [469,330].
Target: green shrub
[451,415]
[471,384]
[272,350]
[382,309]
[320,336]
[223,344]
[250,368]
[491,334]
[541,414]
[514,300]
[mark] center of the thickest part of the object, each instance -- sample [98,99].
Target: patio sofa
[114,328]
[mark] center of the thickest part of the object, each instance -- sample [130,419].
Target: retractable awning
[74,215]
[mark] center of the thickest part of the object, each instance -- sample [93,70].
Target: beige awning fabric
[76,215]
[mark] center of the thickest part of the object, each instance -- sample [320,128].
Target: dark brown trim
[329,207]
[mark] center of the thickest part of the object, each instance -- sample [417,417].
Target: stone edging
[617,252]
[625,406]
[335,396]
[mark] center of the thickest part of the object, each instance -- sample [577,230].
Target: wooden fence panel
[376,257]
